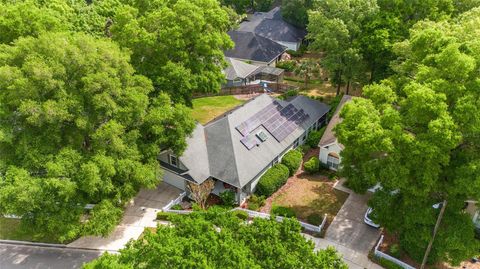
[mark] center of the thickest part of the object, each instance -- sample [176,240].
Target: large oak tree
[418,135]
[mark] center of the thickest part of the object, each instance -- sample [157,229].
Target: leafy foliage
[312,166]
[307,69]
[288,66]
[228,198]
[314,137]
[78,127]
[272,180]
[255,202]
[200,192]
[295,11]
[427,114]
[282,211]
[292,161]
[218,239]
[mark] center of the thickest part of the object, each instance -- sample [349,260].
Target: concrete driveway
[141,213]
[348,228]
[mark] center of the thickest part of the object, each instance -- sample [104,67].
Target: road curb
[28,243]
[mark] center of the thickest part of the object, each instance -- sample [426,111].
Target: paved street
[23,257]
[140,214]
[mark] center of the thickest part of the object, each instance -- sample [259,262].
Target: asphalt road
[23,257]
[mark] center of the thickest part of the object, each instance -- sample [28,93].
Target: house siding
[174,180]
[290,45]
[324,151]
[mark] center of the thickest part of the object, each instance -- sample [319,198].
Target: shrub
[314,137]
[255,202]
[177,207]
[395,251]
[388,264]
[241,214]
[272,180]
[315,219]
[288,66]
[292,161]
[298,53]
[164,215]
[304,148]
[228,198]
[333,105]
[312,165]
[283,211]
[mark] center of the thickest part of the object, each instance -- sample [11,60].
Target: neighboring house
[474,210]
[239,146]
[254,49]
[239,73]
[272,26]
[329,146]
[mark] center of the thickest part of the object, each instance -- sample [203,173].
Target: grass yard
[207,108]
[10,230]
[310,197]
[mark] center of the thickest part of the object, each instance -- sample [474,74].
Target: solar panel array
[277,120]
[254,121]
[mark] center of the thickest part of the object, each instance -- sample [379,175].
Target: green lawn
[207,108]
[10,229]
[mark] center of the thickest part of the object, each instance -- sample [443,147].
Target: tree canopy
[78,126]
[418,135]
[219,239]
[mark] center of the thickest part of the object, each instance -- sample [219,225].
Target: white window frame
[333,162]
[173,157]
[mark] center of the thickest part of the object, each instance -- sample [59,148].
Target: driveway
[348,228]
[141,213]
[23,257]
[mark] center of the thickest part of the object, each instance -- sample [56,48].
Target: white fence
[385,256]
[251,213]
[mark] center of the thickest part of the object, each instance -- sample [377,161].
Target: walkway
[139,214]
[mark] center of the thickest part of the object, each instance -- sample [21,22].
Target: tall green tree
[307,69]
[296,11]
[78,126]
[218,239]
[418,135]
[334,29]
[240,6]
[178,44]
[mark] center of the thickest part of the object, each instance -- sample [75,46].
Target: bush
[288,66]
[388,264]
[164,215]
[292,161]
[298,53]
[228,198]
[241,214]
[315,219]
[304,148]
[283,211]
[395,251]
[272,180]
[177,207]
[255,202]
[333,105]
[312,165]
[314,137]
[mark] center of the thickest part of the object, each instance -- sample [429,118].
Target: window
[275,161]
[332,162]
[295,144]
[173,160]
[476,219]
[304,136]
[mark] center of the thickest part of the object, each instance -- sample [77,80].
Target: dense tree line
[219,239]
[90,93]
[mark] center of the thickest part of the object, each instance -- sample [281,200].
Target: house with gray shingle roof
[329,146]
[238,147]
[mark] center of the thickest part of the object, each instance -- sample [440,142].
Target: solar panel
[249,142]
[277,120]
[258,118]
[284,130]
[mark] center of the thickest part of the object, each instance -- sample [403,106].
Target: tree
[334,28]
[78,127]
[418,135]
[178,44]
[240,6]
[307,69]
[200,192]
[218,239]
[262,5]
[296,11]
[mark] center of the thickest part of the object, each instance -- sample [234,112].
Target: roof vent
[262,136]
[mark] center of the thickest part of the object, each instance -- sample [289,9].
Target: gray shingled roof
[250,46]
[271,25]
[329,135]
[228,159]
[238,69]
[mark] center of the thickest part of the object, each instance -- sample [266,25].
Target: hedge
[255,202]
[312,165]
[292,161]
[388,264]
[241,214]
[314,137]
[288,66]
[228,198]
[283,211]
[164,215]
[272,180]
